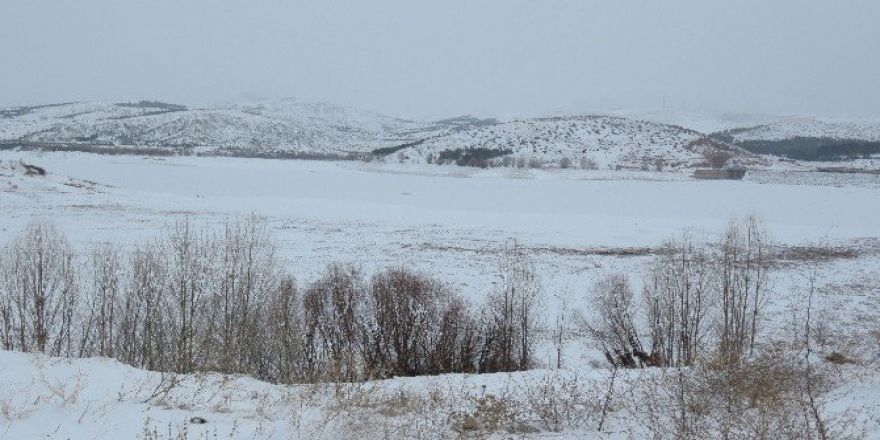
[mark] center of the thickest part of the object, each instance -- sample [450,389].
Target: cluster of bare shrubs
[399,324]
[699,314]
[205,300]
[528,404]
[499,158]
[767,397]
[697,303]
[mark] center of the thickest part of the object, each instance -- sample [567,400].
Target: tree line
[202,299]
[198,299]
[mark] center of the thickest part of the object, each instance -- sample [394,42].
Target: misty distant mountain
[293,128]
[286,125]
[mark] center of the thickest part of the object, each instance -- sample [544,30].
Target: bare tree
[405,309]
[743,266]
[190,253]
[99,332]
[40,291]
[512,313]
[416,326]
[244,279]
[613,328]
[284,334]
[333,316]
[142,332]
[455,343]
[809,380]
[678,294]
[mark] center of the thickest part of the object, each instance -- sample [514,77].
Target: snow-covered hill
[287,125]
[811,139]
[600,141]
[808,127]
[704,121]
[292,126]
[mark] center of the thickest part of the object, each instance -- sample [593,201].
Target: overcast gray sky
[416,58]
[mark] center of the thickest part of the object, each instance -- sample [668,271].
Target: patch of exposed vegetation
[473,157]
[152,104]
[807,148]
[385,151]
[21,111]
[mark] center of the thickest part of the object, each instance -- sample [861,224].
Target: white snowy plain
[442,220]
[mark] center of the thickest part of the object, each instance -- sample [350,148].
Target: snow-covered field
[432,217]
[52,398]
[443,220]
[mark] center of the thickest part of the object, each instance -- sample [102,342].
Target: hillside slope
[597,141]
[788,128]
[824,139]
[286,125]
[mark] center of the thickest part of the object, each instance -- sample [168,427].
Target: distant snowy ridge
[788,128]
[667,139]
[810,139]
[286,125]
[292,126]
